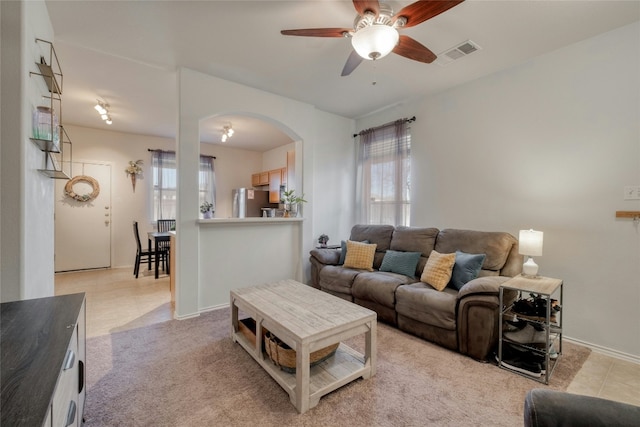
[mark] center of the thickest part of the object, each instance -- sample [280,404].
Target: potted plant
[207,210]
[291,202]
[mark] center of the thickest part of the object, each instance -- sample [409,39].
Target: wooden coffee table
[307,320]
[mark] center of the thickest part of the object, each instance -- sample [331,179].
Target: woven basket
[285,357]
[247,327]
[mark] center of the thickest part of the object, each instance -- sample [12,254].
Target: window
[384,175]
[164,184]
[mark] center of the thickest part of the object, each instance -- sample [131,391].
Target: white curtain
[164,184]
[383,185]
[207,181]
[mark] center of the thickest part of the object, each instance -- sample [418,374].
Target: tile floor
[118,301]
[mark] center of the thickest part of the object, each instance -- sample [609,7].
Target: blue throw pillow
[400,262]
[343,251]
[466,268]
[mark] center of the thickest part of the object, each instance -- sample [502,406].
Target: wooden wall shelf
[628,214]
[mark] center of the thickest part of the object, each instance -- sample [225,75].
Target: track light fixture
[227,132]
[103,109]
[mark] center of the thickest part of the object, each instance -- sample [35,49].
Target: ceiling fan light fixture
[227,132]
[375,41]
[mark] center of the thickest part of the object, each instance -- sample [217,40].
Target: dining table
[157,237]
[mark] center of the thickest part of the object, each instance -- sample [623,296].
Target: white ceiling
[127,53]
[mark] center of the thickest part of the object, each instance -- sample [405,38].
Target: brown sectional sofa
[464,320]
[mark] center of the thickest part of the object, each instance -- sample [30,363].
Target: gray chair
[551,408]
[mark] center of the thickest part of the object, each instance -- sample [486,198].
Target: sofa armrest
[326,256]
[544,407]
[478,315]
[487,285]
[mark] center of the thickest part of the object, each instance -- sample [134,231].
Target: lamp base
[530,268]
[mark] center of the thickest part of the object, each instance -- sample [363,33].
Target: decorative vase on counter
[208,215]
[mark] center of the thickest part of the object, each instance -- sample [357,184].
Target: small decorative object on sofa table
[530,243]
[322,240]
[206,209]
[133,170]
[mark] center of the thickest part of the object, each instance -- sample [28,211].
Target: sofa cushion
[378,234]
[466,268]
[437,272]
[423,303]
[400,262]
[496,245]
[414,239]
[360,255]
[379,287]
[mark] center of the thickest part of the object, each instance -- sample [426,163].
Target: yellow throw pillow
[360,255]
[437,272]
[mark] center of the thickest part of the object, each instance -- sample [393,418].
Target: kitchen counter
[251,220]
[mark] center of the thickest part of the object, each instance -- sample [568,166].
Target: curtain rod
[157,150]
[412,119]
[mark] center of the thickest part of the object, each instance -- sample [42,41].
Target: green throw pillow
[400,262]
[466,268]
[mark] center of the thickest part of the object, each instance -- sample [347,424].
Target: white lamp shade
[530,242]
[375,41]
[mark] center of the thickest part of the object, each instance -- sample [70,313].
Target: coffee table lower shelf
[343,367]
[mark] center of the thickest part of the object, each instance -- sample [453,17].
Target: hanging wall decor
[133,170]
[68,188]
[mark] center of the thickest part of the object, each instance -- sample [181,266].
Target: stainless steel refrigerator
[248,203]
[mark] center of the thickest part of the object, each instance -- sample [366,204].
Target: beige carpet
[190,373]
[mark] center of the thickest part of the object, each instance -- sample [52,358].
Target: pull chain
[374,82]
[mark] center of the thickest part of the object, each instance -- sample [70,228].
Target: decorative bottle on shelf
[42,123]
[46,126]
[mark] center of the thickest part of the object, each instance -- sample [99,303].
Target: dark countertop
[34,337]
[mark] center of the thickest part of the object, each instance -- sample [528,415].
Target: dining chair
[163,226]
[145,256]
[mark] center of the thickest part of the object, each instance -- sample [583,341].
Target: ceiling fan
[375,31]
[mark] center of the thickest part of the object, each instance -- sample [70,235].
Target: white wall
[203,96]
[27,195]
[276,158]
[549,145]
[233,170]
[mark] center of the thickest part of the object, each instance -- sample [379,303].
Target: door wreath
[68,188]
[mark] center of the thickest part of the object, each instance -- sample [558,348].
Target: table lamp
[530,245]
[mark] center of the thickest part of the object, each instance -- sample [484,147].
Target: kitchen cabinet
[260,178]
[43,367]
[275,180]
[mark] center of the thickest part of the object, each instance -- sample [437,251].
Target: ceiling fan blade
[409,48]
[317,32]
[422,10]
[363,5]
[352,62]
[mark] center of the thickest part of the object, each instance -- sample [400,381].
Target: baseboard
[604,350]
[213,307]
[185,317]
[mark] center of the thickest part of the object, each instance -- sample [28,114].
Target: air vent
[457,52]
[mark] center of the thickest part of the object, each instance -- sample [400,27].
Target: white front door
[83,228]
